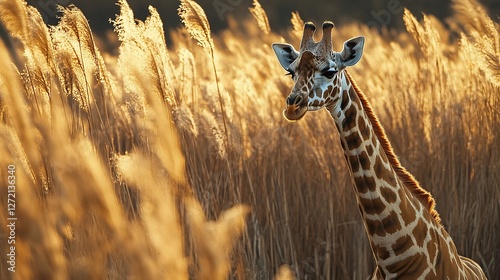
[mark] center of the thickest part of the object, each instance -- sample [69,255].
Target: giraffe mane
[406,177]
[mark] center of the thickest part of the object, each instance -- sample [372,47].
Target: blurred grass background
[98,12]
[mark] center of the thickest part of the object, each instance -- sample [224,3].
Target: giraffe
[405,232]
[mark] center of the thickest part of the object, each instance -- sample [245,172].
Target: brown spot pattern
[318,93]
[380,170]
[364,160]
[363,184]
[369,149]
[327,91]
[381,252]
[372,206]
[363,128]
[345,100]
[420,232]
[389,195]
[349,120]
[353,140]
[382,154]
[433,253]
[410,215]
[389,224]
[336,90]
[402,245]
[353,161]
[352,94]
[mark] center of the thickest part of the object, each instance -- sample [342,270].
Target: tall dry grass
[125,168]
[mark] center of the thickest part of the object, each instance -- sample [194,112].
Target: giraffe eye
[329,74]
[290,73]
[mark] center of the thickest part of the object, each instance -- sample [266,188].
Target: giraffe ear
[286,54]
[352,52]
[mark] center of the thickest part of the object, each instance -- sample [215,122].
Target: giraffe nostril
[298,100]
[294,100]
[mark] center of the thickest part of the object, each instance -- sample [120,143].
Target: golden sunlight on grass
[176,163]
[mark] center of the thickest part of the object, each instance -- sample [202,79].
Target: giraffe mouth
[294,112]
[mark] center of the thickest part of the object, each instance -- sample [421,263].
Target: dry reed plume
[260,15]
[174,163]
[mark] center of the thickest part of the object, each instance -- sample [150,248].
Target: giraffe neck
[405,236]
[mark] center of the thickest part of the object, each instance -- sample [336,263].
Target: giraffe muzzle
[296,107]
[294,100]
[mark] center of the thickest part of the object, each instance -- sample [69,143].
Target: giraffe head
[314,70]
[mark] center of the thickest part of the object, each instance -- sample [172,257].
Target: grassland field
[156,162]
